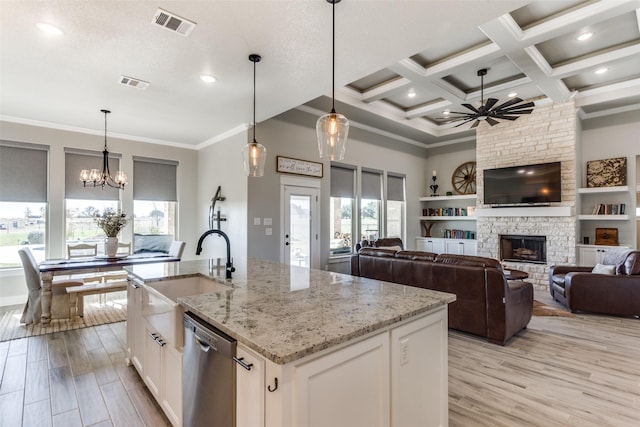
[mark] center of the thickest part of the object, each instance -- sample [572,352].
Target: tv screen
[523,185]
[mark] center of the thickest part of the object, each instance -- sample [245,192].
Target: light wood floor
[582,371]
[74,378]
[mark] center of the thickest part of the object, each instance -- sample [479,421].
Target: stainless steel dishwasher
[208,375]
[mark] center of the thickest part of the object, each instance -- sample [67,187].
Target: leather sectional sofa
[486,303]
[617,294]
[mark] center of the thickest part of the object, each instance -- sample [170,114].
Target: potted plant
[111,221]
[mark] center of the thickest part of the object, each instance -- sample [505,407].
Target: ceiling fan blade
[517,107]
[515,112]
[490,103]
[465,122]
[492,122]
[475,124]
[472,108]
[509,103]
[512,118]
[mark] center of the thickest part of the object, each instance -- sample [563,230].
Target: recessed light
[512,94]
[411,94]
[207,78]
[601,70]
[584,36]
[446,112]
[49,29]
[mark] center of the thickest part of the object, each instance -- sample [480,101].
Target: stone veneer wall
[549,134]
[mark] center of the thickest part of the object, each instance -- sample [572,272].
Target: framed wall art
[299,167]
[607,172]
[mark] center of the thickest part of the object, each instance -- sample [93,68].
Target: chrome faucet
[229,267]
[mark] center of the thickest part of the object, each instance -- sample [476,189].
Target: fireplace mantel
[524,211]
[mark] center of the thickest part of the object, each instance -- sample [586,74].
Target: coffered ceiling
[385,50]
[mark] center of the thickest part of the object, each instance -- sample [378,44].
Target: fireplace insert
[519,248]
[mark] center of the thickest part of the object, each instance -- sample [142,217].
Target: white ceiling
[383,49]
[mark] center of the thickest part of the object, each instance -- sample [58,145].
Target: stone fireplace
[549,134]
[519,248]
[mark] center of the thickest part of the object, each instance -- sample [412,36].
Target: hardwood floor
[580,371]
[74,378]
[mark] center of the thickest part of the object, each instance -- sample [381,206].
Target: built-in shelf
[447,218]
[603,217]
[440,198]
[598,190]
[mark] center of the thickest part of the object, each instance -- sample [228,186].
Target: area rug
[95,313]
[541,309]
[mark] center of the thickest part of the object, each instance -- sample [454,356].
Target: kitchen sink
[160,306]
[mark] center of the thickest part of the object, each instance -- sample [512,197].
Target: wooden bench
[77,293]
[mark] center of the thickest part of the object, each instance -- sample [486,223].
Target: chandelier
[102,178]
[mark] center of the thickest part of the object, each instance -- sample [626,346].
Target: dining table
[57,267]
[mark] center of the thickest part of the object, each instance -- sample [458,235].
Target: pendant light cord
[105,129]
[254,102]
[333,62]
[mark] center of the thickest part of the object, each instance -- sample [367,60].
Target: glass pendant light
[332,129]
[254,154]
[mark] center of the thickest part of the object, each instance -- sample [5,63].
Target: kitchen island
[325,348]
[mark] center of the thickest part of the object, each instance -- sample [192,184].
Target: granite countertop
[286,312]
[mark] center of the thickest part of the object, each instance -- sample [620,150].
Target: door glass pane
[300,241]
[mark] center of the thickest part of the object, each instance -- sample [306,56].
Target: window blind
[342,182]
[154,179]
[371,188]
[74,162]
[395,188]
[23,172]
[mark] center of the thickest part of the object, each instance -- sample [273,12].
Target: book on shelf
[458,234]
[445,212]
[609,209]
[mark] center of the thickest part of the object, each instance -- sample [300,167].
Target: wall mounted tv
[523,185]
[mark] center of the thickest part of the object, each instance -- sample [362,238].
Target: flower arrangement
[111,221]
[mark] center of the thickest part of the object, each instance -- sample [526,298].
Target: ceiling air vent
[130,81]
[173,22]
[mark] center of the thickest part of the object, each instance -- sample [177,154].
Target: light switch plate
[268,231]
[256,221]
[268,221]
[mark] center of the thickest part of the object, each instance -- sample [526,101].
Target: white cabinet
[461,247]
[450,246]
[135,333]
[152,362]
[394,378]
[590,255]
[250,388]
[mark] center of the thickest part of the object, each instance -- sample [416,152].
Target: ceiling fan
[487,112]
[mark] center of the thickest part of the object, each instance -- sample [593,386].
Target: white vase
[111,246]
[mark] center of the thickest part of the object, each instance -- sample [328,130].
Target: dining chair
[60,303]
[124,248]
[82,250]
[176,248]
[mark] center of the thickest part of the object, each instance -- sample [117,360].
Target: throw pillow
[604,269]
[395,248]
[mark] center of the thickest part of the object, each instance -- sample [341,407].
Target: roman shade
[342,182]
[74,162]
[371,188]
[395,187]
[23,172]
[154,179]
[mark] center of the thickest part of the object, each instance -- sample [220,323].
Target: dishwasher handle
[203,346]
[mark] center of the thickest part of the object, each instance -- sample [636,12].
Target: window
[154,196]
[371,201]
[341,209]
[81,202]
[395,206]
[23,201]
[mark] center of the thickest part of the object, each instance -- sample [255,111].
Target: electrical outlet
[404,351]
[268,231]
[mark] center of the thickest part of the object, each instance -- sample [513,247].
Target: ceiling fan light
[332,130]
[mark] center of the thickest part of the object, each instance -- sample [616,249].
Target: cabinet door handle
[240,361]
